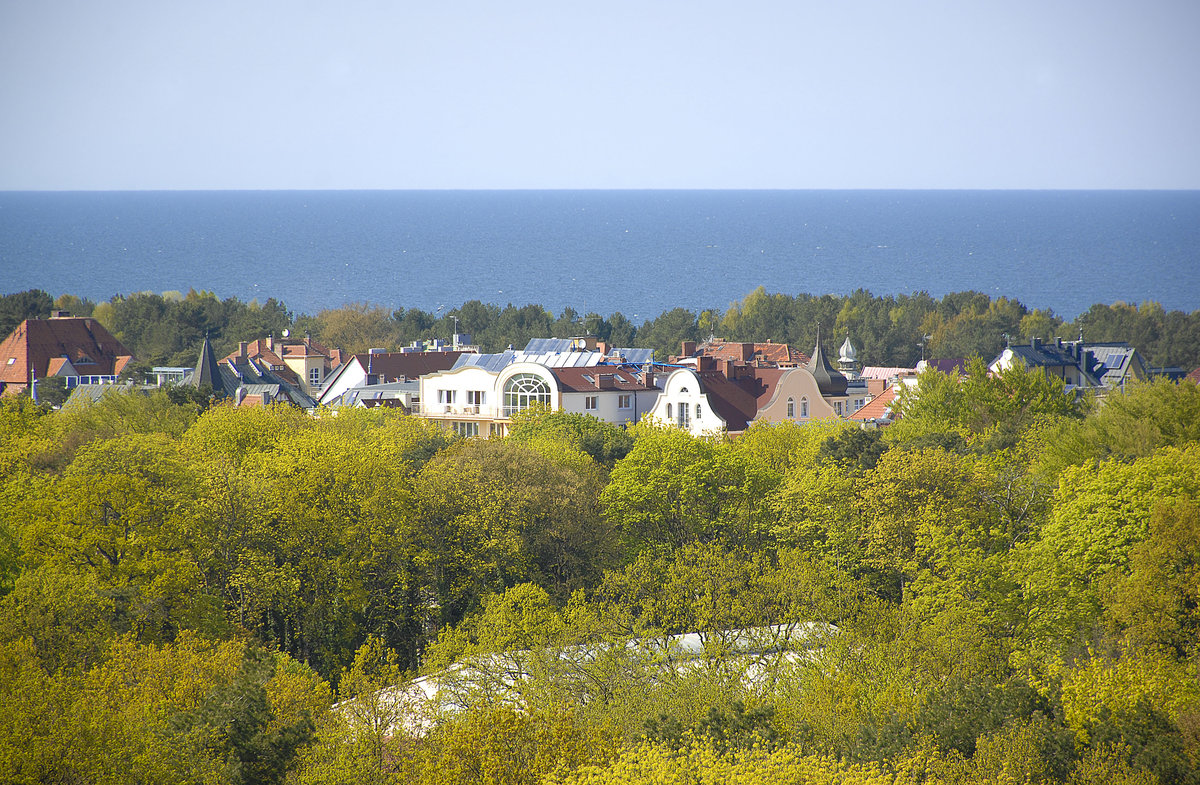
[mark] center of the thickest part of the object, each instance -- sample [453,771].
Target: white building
[476,400]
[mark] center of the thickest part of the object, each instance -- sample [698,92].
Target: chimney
[606,381]
[1035,343]
[242,347]
[603,347]
[271,342]
[728,369]
[688,348]
[705,363]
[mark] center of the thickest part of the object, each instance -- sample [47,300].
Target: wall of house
[798,384]
[608,406]
[682,387]
[452,394]
[351,375]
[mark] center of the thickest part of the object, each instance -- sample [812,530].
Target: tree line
[890,330]
[1002,586]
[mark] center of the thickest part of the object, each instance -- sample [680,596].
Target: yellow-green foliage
[701,764]
[1100,688]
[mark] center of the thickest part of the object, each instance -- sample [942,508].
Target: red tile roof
[35,343]
[878,407]
[584,379]
[761,354]
[410,365]
[735,401]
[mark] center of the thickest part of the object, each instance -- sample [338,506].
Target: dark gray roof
[226,377]
[376,392]
[208,370]
[830,381]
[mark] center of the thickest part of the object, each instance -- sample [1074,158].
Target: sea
[639,253]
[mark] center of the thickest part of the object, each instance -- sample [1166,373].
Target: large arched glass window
[803,407]
[791,408]
[523,390]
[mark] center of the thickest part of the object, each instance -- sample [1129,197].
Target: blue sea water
[637,252]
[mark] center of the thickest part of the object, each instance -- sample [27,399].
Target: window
[591,402]
[314,376]
[683,416]
[476,397]
[523,391]
[837,407]
[625,401]
[668,411]
[447,396]
[697,411]
[466,428]
[12,360]
[804,407]
[791,408]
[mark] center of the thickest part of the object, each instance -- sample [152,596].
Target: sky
[479,94]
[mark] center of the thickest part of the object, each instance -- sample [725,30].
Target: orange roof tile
[36,342]
[878,408]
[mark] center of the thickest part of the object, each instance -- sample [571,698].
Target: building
[727,395]
[480,398]
[302,363]
[758,355]
[1081,366]
[77,349]
[380,367]
[244,381]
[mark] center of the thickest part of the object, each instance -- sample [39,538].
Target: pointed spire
[830,381]
[208,370]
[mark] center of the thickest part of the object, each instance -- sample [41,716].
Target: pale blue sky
[131,94]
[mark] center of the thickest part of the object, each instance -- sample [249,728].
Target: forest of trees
[891,330]
[1004,586]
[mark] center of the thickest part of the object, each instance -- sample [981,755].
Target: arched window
[668,411]
[697,411]
[791,408]
[523,390]
[804,407]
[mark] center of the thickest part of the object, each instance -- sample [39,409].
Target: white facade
[464,399]
[684,405]
[475,401]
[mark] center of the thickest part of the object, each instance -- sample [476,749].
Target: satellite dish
[286,332]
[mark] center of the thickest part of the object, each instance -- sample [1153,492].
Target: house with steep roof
[1099,366]
[759,355]
[77,349]
[244,381]
[380,367]
[880,410]
[726,396]
[303,363]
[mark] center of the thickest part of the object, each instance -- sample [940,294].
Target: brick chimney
[242,348]
[688,348]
